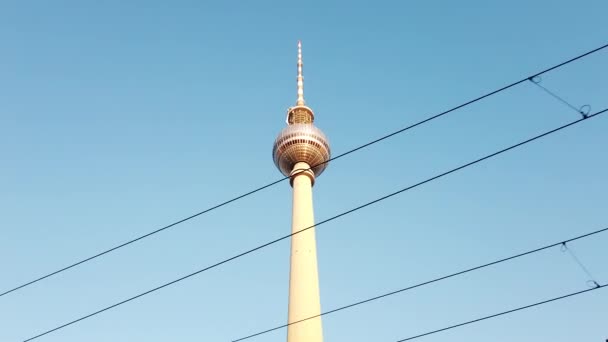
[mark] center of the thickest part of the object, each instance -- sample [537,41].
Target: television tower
[299,152]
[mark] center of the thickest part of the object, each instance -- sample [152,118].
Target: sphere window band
[301,143]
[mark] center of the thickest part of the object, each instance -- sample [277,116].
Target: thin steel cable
[558,98]
[217,206]
[323,222]
[476,268]
[566,248]
[504,313]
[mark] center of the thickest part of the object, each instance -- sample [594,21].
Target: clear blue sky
[119,117]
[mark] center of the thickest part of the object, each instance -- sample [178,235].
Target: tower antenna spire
[300,101]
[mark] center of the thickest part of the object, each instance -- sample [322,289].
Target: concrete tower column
[304,299]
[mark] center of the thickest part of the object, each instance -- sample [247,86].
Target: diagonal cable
[583,110]
[322,222]
[591,280]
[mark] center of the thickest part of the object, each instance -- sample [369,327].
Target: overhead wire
[503,313]
[428,282]
[251,192]
[237,256]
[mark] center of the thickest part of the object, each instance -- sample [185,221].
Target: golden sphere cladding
[301,143]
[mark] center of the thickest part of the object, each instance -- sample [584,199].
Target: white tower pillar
[304,299]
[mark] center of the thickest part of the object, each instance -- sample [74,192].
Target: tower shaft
[304,299]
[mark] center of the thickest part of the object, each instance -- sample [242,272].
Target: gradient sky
[119,117]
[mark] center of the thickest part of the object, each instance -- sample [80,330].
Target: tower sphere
[301,142]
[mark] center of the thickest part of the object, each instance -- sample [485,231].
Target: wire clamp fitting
[585,110]
[536,79]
